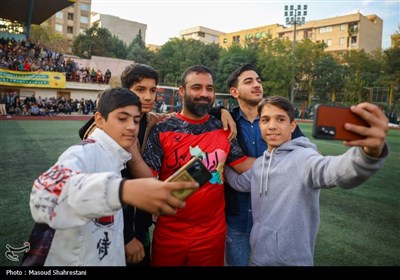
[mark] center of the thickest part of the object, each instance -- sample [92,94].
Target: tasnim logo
[11,251]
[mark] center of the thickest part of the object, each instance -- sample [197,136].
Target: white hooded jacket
[79,198]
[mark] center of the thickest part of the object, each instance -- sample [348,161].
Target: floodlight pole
[294,19]
[293,64]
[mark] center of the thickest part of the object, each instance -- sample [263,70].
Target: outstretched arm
[375,135]
[153,196]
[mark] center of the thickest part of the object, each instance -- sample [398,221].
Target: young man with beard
[196,236]
[142,80]
[245,86]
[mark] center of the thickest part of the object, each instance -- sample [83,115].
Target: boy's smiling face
[275,126]
[122,125]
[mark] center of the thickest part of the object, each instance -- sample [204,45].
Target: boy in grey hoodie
[285,181]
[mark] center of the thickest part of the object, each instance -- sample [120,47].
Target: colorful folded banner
[43,79]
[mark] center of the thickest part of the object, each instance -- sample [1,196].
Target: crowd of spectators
[27,56]
[12,104]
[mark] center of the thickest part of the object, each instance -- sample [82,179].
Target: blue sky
[165,18]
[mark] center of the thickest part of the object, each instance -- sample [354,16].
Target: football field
[359,227]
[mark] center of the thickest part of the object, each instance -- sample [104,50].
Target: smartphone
[193,171]
[329,123]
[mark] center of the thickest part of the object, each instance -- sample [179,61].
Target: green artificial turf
[359,227]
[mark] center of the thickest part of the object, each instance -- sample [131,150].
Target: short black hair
[136,72]
[280,102]
[195,69]
[115,98]
[232,80]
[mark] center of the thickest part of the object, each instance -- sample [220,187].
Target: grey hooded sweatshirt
[285,187]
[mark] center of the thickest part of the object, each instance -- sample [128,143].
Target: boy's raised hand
[154,196]
[375,134]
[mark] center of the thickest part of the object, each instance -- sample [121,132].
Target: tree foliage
[138,52]
[178,54]
[318,74]
[44,36]
[98,41]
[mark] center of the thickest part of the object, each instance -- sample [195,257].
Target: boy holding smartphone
[81,196]
[285,182]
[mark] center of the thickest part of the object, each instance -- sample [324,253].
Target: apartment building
[343,33]
[242,37]
[71,21]
[125,30]
[202,34]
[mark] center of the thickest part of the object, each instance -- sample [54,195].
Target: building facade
[343,33]
[125,30]
[242,37]
[74,20]
[71,21]
[202,34]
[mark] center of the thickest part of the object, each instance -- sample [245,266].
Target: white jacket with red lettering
[79,198]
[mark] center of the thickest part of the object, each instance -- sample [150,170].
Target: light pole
[295,15]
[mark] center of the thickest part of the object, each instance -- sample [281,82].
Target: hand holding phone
[329,123]
[193,171]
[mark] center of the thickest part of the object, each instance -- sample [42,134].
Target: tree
[307,56]
[138,52]
[178,54]
[229,60]
[274,60]
[44,36]
[354,90]
[329,78]
[98,41]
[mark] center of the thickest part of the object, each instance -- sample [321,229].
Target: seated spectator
[35,110]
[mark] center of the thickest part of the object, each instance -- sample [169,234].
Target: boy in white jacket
[285,181]
[81,196]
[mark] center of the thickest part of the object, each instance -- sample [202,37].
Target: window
[353,40]
[353,28]
[341,41]
[70,29]
[329,42]
[60,15]
[70,16]
[201,34]
[307,34]
[236,39]
[343,26]
[82,30]
[84,19]
[325,29]
[264,34]
[59,27]
[225,40]
[258,35]
[85,7]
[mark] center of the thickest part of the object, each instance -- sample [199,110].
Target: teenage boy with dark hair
[285,182]
[81,196]
[244,84]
